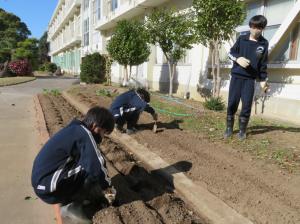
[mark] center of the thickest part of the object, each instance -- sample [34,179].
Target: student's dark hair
[144,94]
[258,21]
[101,117]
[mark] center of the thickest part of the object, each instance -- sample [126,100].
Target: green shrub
[50,67]
[214,103]
[42,67]
[20,67]
[93,68]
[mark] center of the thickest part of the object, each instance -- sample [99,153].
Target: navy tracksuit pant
[240,89]
[131,118]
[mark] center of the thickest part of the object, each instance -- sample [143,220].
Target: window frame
[86,30]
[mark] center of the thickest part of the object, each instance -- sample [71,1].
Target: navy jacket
[256,52]
[128,102]
[65,161]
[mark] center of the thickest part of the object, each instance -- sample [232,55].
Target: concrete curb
[203,202]
[17,83]
[43,138]
[40,120]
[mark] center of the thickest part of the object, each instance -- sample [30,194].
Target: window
[275,12]
[86,32]
[96,37]
[98,9]
[114,5]
[269,31]
[95,11]
[289,49]
[85,4]
[294,45]
[253,8]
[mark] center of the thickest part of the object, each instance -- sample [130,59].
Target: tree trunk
[217,54]
[130,69]
[170,78]
[4,70]
[213,69]
[125,79]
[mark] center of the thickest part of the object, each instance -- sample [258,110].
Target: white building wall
[64,35]
[191,75]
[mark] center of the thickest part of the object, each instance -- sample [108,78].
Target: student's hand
[264,86]
[110,195]
[243,62]
[155,116]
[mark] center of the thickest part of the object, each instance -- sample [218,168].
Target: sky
[35,13]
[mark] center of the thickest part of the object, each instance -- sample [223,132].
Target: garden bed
[254,177]
[143,197]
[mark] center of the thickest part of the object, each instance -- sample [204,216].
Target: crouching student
[128,106]
[70,170]
[250,57]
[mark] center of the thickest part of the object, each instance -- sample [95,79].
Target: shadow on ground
[161,126]
[261,129]
[139,184]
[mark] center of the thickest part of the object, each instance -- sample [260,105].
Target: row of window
[69,60]
[113,4]
[96,16]
[274,10]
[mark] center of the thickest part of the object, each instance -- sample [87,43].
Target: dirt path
[142,197]
[257,189]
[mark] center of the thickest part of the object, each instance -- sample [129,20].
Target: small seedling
[54,92]
[214,103]
[105,92]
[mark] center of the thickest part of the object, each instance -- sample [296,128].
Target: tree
[27,49]
[128,45]
[173,32]
[12,31]
[215,22]
[43,49]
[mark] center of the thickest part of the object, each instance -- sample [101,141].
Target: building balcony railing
[129,9]
[75,40]
[65,17]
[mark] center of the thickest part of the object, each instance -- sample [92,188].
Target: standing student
[250,57]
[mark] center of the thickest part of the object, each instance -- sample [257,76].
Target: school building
[81,27]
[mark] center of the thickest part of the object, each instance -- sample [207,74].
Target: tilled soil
[258,190]
[142,196]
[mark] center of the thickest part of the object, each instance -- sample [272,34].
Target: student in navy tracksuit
[250,57]
[70,168]
[127,108]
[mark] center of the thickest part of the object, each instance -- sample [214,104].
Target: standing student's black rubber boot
[229,127]
[243,122]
